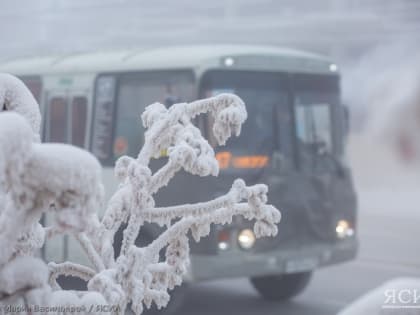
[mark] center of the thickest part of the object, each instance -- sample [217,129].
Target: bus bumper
[247,264]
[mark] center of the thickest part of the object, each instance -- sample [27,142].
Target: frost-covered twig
[228,111]
[162,177]
[69,269]
[90,251]
[35,178]
[238,192]
[150,279]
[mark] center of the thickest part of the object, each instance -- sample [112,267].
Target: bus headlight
[246,239]
[343,229]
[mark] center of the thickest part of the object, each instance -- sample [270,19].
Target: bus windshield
[266,99]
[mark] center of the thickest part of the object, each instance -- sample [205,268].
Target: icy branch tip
[229,114]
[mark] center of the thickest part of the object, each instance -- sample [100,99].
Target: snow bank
[398,296]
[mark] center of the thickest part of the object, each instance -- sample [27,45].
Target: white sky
[338,27]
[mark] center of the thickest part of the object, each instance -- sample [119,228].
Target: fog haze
[342,27]
[360,35]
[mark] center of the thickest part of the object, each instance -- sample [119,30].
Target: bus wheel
[177,299]
[281,287]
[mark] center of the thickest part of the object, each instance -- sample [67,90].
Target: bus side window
[138,90]
[78,121]
[57,120]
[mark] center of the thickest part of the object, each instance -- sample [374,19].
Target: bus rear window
[135,92]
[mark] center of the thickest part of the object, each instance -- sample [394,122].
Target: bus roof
[175,57]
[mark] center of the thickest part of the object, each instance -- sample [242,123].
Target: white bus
[293,141]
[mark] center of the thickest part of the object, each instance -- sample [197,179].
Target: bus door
[66,117]
[65,121]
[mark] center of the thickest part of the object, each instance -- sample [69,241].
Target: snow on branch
[14,96]
[43,177]
[65,181]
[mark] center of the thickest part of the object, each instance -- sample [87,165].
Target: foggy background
[376,43]
[346,30]
[342,28]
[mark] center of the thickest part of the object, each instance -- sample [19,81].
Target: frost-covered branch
[164,124]
[90,251]
[65,181]
[68,269]
[15,96]
[173,130]
[152,279]
[36,176]
[170,129]
[238,192]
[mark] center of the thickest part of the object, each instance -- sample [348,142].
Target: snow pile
[36,178]
[395,297]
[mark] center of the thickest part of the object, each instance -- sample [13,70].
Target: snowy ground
[389,220]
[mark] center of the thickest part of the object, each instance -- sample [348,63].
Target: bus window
[266,98]
[102,125]
[57,119]
[78,120]
[313,126]
[136,91]
[315,97]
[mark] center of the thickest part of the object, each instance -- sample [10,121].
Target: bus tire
[281,287]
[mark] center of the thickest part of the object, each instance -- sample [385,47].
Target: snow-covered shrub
[36,178]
